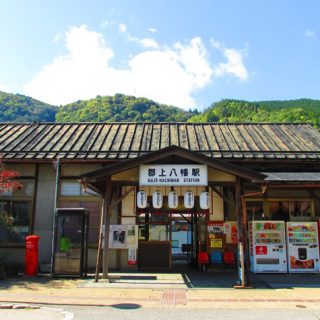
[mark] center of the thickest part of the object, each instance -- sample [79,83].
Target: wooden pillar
[107,212]
[246,247]
[242,223]
[239,209]
[241,274]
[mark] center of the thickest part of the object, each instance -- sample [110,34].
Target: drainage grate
[173,296]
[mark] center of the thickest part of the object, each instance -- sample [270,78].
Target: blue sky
[186,53]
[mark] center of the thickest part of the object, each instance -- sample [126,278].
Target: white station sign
[173,175]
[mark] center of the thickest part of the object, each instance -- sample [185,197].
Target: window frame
[266,201]
[10,201]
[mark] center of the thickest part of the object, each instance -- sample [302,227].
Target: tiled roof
[111,141]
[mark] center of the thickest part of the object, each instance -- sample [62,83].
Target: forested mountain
[15,107]
[121,108]
[19,108]
[302,110]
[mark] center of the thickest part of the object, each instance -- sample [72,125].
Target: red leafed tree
[7,179]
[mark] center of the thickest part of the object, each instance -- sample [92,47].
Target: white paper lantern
[204,200]
[173,199]
[157,199]
[188,200]
[141,199]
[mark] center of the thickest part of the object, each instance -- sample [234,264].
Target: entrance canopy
[173,155]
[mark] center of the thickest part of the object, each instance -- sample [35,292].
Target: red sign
[261,250]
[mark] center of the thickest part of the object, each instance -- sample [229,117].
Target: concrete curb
[67,315]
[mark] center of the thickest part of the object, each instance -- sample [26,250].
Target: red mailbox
[31,262]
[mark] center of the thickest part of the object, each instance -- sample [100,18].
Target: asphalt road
[134,312]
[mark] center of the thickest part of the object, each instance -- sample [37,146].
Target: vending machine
[268,247]
[303,247]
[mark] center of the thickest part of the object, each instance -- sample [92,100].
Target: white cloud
[310,33]
[144,42]
[57,37]
[153,30]
[166,74]
[149,43]
[122,28]
[234,65]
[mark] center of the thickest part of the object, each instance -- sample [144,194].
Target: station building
[161,190]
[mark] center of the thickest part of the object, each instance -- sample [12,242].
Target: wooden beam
[107,217]
[116,202]
[313,195]
[222,196]
[239,209]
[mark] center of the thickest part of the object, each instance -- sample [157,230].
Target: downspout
[57,166]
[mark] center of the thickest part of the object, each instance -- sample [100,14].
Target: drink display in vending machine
[268,247]
[303,247]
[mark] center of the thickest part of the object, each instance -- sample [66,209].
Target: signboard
[216,243]
[173,175]
[261,250]
[215,228]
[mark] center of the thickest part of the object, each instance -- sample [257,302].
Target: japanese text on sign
[173,175]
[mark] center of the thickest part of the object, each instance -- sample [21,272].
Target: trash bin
[31,261]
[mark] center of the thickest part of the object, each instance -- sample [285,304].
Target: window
[255,210]
[74,188]
[94,208]
[279,209]
[14,221]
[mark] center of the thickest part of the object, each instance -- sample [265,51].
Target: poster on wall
[215,228]
[132,236]
[230,230]
[216,234]
[117,236]
[123,236]
[132,256]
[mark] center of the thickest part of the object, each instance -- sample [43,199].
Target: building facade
[252,172]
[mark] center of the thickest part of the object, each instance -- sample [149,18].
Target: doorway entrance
[170,241]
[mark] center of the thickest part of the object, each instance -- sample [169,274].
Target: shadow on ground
[35,283]
[188,279]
